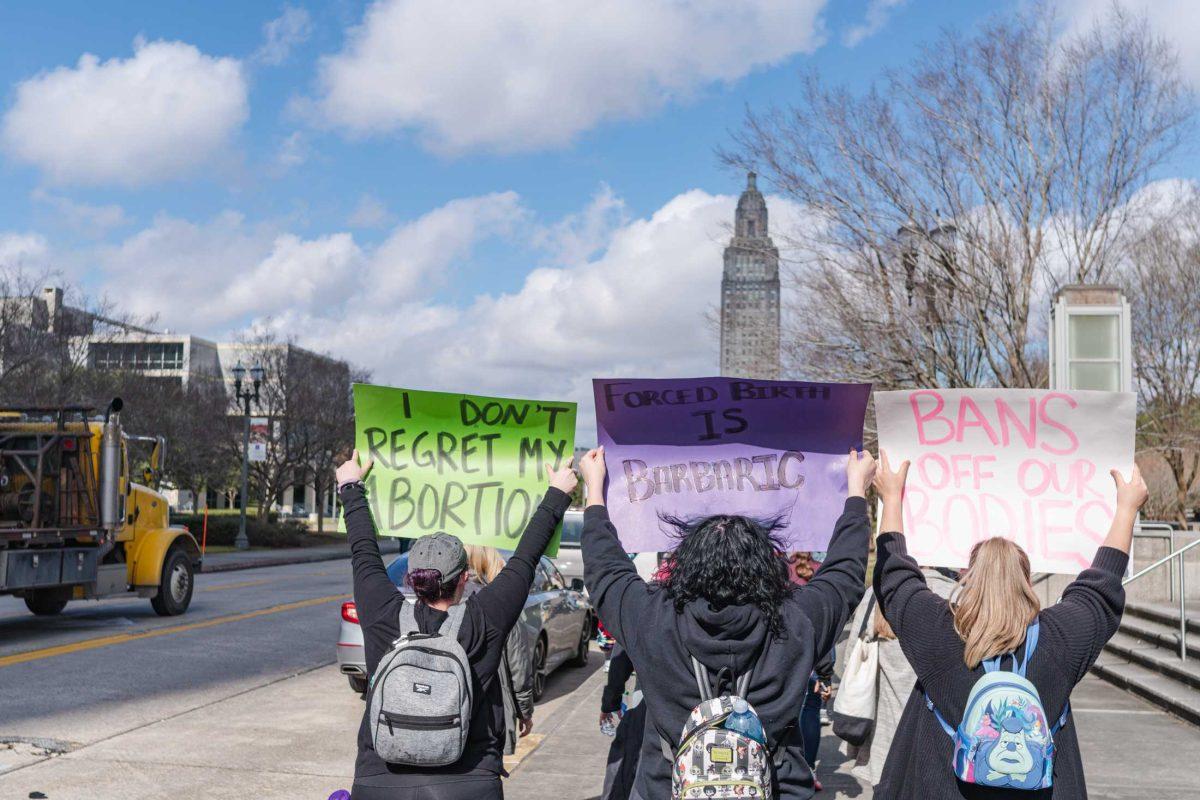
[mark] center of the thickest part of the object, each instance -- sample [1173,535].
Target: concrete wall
[1154,587]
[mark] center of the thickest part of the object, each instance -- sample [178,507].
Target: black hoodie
[660,641]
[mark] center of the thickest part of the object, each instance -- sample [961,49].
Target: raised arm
[838,585]
[503,599]
[914,611]
[1090,609]
[375,595]
[616,590]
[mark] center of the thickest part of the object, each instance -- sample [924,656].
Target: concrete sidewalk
[1131,750]
[253,559]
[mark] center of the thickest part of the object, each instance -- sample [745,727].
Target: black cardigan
[643,619]
[1073,631]
[491,613]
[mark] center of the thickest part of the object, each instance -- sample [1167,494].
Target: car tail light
[350,612]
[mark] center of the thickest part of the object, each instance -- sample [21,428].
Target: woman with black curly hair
[725,600]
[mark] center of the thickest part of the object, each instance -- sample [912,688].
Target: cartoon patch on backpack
[1012,746]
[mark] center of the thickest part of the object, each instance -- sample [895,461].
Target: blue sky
[482,195]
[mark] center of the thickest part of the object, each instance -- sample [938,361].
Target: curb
[282,561]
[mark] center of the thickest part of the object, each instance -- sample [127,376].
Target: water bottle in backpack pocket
[722,751]
[1004,739]
[419,699]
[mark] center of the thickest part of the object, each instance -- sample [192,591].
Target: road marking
[105,641]
[241,585]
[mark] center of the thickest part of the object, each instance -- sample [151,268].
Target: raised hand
[860,470]
[564,478]
[1131,494]
[352,471]
[889,484]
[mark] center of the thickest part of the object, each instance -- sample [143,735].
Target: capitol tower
[750,293]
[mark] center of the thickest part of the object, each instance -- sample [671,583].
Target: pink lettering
[943,479]
[1044,415]
[1028,433]
[922,418]
[966,405]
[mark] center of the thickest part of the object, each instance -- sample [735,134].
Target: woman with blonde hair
[516,667]
[994,623]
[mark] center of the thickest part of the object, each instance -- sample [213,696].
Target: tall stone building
[750,293]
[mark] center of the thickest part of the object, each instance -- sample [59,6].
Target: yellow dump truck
[73,523]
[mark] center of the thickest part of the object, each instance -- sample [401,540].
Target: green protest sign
[460,463]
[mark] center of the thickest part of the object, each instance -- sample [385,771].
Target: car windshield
[398,569]
[572,530]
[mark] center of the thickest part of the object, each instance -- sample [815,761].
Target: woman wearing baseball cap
[437,573]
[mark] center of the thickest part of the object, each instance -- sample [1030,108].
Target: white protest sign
[1031,465]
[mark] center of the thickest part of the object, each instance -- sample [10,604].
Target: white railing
[1179,584]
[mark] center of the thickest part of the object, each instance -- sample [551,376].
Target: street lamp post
[245,397]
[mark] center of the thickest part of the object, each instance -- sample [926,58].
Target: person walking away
[437,573]
[894,684]
[820,684]
[726,608]
[516,668]
[628,725]
[1021,742]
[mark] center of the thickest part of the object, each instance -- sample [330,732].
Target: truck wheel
[176,585]
[45,602]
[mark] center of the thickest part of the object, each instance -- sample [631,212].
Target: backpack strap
[1031,641]
[867,615]
[702,680]
[454,620]
[450,627]
[408,619]
[1062,719]
[946,726]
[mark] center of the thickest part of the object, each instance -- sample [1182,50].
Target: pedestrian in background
[625,723]
[995,619]
[437,573]
[516,668]
[803,566]
[727,603]
[894,680]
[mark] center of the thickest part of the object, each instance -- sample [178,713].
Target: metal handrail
[1181,574]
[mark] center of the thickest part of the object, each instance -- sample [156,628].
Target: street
[240,698]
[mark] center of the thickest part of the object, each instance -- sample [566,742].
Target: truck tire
[45,602]
[175,586]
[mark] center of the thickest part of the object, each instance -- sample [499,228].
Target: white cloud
[1174,20]
[19,251]
[90,220]
[514,75]
[293,151]
[605,293]
[281,35]
[369,213]
[156,115]
[878,13]
[212,277]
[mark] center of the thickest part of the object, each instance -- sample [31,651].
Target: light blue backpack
[1004,740]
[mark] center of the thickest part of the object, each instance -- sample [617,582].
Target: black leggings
[457,788]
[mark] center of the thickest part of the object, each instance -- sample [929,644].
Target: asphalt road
[107,667]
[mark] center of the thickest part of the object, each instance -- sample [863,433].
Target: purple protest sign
[692,447]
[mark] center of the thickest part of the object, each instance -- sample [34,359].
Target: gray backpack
[420,695]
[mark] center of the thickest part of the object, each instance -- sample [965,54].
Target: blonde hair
[484,563]
[881,628]
[995,601]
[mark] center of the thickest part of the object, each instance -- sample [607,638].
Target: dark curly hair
[728,561]
[427,584]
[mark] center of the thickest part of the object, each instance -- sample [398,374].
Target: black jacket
[658,640]
[491,613]
[1073,631]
